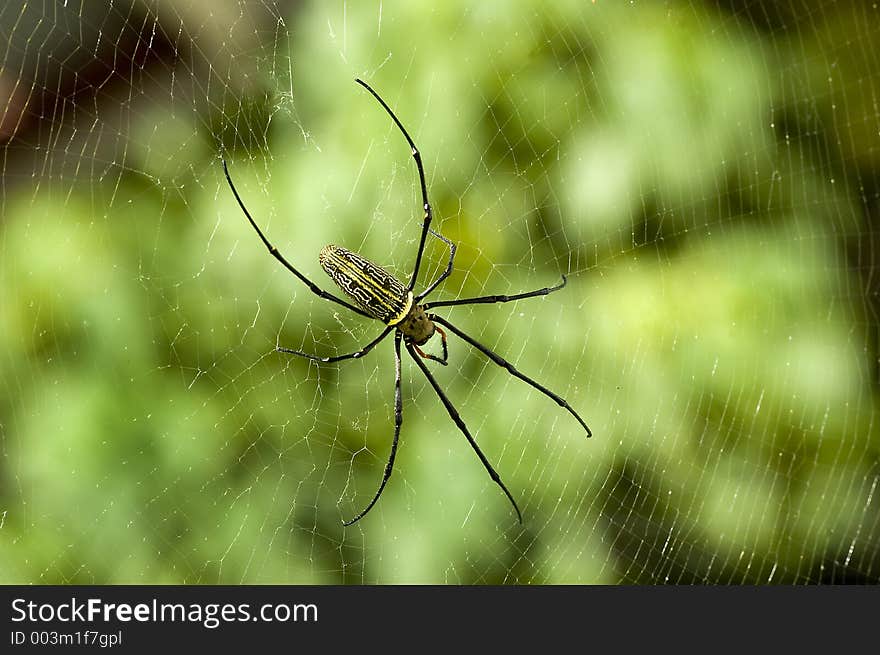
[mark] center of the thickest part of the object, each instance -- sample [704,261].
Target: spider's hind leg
[338,358]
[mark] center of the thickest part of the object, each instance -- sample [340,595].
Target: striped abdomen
[373,288]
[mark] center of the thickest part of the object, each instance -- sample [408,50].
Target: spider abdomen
[374,289]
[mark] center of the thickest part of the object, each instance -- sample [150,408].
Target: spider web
[705,174]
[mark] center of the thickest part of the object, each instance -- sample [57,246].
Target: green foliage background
[706,176]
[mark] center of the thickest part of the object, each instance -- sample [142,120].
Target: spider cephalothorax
[418,328]
[379,295]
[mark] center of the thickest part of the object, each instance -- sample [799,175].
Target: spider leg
[277,255]
[456,417]
[426,223]
[338,358]
[445,274]
[512,370]
[434,358]
[398,421]
[493,299]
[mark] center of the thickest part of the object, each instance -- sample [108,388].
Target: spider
[377,294]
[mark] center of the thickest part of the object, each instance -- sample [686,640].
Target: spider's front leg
[398,421]
[503,363]
[417,156]
[459,422]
